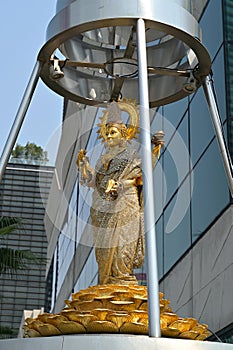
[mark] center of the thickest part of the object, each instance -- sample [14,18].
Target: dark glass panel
[210,193]
[177,237]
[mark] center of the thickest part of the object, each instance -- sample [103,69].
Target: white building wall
[201,284]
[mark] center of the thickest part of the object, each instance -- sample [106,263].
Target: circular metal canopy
[95,45]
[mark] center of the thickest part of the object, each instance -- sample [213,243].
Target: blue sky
[23,32]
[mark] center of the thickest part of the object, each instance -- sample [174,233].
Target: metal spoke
[129,51]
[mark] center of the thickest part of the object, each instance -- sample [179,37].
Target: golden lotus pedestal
[111,317]
[115,309]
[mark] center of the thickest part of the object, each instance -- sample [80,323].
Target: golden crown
[112,115]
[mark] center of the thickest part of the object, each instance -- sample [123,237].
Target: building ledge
[109,341]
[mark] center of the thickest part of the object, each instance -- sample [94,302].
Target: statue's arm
[116,186]
[87,173]
[130,177]
[157,142]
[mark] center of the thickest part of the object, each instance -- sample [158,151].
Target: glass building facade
[200,180]
[191,189]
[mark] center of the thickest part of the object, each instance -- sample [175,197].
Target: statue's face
[113,136]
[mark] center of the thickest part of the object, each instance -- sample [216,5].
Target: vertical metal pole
[19,118]
[210,97]
[149,209]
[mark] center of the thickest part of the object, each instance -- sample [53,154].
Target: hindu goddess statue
[117,206]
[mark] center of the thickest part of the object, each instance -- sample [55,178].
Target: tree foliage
[5,330]
[14,260]
[30,153]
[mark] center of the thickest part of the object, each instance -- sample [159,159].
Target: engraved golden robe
[117,218]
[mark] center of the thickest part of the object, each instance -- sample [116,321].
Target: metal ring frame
[173,26]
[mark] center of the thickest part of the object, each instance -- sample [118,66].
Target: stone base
[109,341]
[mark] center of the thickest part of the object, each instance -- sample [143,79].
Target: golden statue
[117,212]
[117,304]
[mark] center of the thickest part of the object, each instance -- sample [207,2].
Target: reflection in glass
[89,274]
[208,25]
[159,242]
[201,126]
[175,111]
[176,157]
[177,237]
[211,192]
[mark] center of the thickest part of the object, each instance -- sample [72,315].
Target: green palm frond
[15,260]
[9,224]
